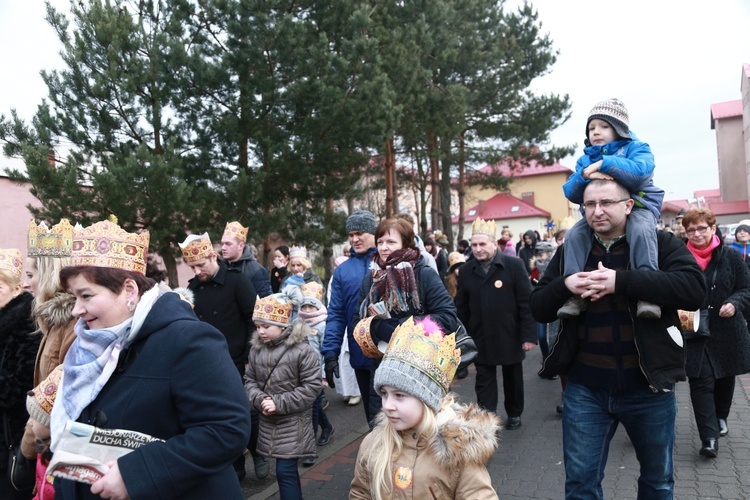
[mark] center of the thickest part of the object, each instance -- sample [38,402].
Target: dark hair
[433,247]
[464,243]
[283,249]
[401,226]
[559,234]
[698,214]
[153,271]
[110,278]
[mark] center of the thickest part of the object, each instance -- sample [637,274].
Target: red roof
[729,207]
[727,109]
[502,206]
[519,170]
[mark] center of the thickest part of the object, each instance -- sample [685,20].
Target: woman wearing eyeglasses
[714,361]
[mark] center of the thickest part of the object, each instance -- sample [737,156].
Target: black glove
[382,330]
[332,368]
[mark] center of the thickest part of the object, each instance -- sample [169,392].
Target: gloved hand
[382,329]
[331,368]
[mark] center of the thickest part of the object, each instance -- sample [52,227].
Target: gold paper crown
[105,244]
[298,252]
[482,226]
[11,260]
[313,289]
[433,354]
[236,230]
[196,247]
[272,311]
[57,242]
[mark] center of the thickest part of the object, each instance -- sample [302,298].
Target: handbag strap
[273,368]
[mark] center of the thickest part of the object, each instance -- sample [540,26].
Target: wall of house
[547,189]
[14,198]
[745,91]
[730,148]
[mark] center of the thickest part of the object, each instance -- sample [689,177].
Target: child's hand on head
[594,167]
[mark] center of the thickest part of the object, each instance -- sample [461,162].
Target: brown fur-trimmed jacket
[452,464]
[56,321]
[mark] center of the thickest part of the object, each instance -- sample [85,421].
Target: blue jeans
[590,420]
[287,476]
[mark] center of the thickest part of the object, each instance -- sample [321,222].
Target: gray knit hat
[361,220]
[419,361]
[614,112]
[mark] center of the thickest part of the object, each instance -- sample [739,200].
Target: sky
[667,60]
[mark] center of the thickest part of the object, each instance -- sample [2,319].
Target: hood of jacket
[247,255]
[532,235]
[296,333]
[57,311]
[466,434]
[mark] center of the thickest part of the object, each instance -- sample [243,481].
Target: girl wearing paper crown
[282,381]
[143,362]
[18,347]
[424,445]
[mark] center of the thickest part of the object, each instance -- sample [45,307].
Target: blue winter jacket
[347,280]
[178,383]
[629,162]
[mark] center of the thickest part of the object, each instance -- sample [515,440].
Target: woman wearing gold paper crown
[48,252]
[18,347]
[424,444]
[143,362]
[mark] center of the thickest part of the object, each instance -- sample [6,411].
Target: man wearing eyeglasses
[620,368]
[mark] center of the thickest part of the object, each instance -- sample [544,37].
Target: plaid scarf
[393,281]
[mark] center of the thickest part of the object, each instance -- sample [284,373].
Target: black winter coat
[18,347]
[678,284]
[495,309]
[728,348]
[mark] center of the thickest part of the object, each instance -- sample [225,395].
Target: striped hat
[614,112]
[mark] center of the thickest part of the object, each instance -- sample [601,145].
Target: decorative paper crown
[313,289]
[196,247]
[105,244]
[11,260]
[44,242]
[273,311]
[481,226]
[39,401]
[235,229]
[298,252]
[419,362]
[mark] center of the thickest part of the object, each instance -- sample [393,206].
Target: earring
[131,306]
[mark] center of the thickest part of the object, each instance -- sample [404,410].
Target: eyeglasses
[591,205]
[699,229]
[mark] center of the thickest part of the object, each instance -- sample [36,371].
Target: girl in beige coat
[424,444]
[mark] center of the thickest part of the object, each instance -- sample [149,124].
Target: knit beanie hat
[742,227]
[39,401]
[361,220]
[420,360]
[614,112]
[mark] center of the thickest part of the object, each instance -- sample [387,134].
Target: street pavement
[528,463]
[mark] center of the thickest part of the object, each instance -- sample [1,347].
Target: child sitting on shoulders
[424,444]
[282,381]
[613,152]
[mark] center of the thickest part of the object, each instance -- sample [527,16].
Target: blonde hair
[387,445]
[302,260]
[48,271]
[10,278]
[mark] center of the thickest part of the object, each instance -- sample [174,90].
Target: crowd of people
[237,363]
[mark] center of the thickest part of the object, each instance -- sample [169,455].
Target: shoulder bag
[703,324]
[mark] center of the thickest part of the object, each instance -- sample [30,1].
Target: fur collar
[294,334]
[466,434]
[57,311]
[15,317]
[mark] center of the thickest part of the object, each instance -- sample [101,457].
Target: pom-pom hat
[614,112]
[420,360]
